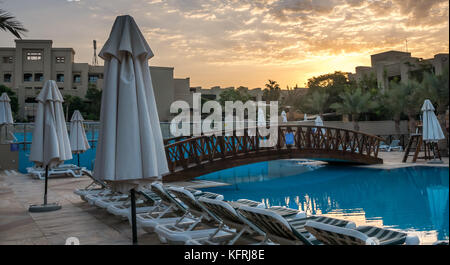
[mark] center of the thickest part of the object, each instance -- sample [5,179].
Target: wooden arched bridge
[190,157]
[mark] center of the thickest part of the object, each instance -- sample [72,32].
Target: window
[77,78]
[60,59]
[38,77]
[61,88]
[30,100]
[7,77]
[93,78]
[75,87]
[28,87]
[34,55]
[38,87]
[59,77]
[7,59]
[27,77]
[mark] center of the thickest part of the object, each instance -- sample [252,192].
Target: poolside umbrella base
[46,207]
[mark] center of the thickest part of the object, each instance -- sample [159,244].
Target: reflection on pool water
[408,199]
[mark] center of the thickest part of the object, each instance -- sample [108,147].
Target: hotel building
[400,66]
[27,66]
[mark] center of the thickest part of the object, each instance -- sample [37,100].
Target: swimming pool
[408,199]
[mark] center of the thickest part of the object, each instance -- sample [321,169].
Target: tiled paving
[77,218]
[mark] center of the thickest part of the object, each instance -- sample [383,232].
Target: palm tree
[67,102]
[317,102]
[435,88]
[403,98]
[394,101]
[9,23]
[272,91]
[354,103]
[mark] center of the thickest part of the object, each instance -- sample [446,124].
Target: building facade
[399,66]
[27,66]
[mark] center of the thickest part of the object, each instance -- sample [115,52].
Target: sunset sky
[240,42]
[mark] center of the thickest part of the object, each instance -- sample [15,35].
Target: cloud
[219,36]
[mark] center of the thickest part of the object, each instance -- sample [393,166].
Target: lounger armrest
[372,241]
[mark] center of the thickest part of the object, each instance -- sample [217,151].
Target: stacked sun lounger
[64,169]
[187,216]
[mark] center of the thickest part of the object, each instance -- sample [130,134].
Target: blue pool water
[86,159]
[413,199]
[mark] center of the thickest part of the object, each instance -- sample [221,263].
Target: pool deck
[77,218]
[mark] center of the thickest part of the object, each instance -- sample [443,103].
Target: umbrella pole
[46,183]
[133,216]
[45,207]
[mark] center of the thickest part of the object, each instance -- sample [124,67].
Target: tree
[354,102]
[317,103]
[272,91]
[9,23]
[435,88]
[231,94]
[66,104]
[293,98]
[13,97]
[332,84]
[395,102]
[94,100]
[413,97]
[72,103]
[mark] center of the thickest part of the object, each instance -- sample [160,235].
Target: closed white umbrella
[431,130]
[5,110]
[284,116]
[5,113]
[50,146]
[78,140]
[130,145]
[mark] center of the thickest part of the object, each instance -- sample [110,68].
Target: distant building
[213,93]
[27,66]
[400,66]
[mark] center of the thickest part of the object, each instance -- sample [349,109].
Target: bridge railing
[185,152]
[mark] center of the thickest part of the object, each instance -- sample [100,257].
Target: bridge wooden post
[257,139]
[298,137]
[245,141]
[222,146]
[208,142]
[279,136]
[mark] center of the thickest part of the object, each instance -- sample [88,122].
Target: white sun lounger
[395,145]
[176,234]
[159,215]
[71,170]
[288,230]
[149,203]
[383,147]
[106,194]
[228,219]
[111,200]
[96,186]
[362,235]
